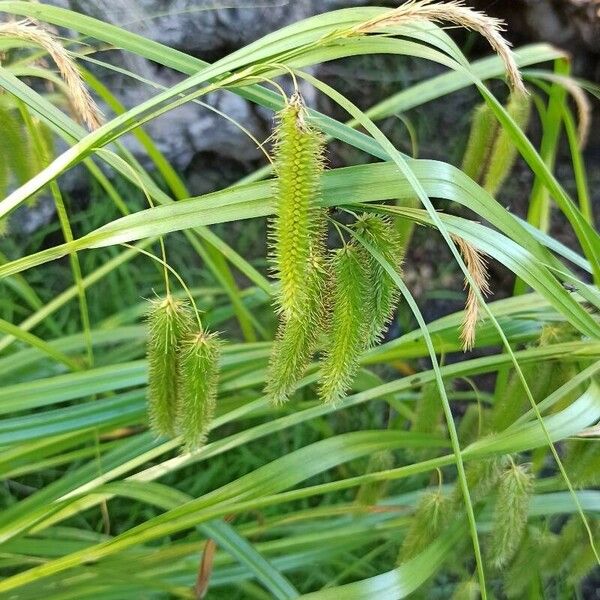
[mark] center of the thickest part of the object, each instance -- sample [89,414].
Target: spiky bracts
[510,515]
[197,386]
[297,248]
[297,338]
[298,228]
[430,517]
[364,298]
[169,321]
[363,291]
[350,323]
[379,232]
[182,372]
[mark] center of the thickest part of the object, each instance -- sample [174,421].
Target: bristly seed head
[459,14]
[169,321]
[510,515]
[296,232]
[379,232]
[297,337]
[349,326]
[197,386]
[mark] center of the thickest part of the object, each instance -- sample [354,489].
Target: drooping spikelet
[197,386]
[78,94]
[350,323]
[525,567]
[428,410]
[477,266]
[481,139]
[297,230]
[431,515]
[297,337]
[510,515]
[582,462]
[451,12]
[379,232]
[503,153]
[169,321]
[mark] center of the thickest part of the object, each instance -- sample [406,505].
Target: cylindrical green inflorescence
[297,230]
[491,152]
[349,324]
[510,515]
[481,139]
[169,321]
[504,152]
[379,232]
[197,387]
[430,517]
[297,338]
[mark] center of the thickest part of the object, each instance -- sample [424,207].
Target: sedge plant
[329,442]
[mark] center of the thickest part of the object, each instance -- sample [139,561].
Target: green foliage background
[306,499]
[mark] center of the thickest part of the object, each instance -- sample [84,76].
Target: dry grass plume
[477,266]
[457,13]
[83,104]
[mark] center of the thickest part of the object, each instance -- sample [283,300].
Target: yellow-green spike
[297,338]
[481,140]
[379,232]
[510,515]
[169,321]
[297,230]
[349,326]
[197,389]
[504,152]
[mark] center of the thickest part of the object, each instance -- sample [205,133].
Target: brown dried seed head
[477,266]
[79,96]
[459,14]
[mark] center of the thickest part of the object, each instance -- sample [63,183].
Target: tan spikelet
[457,13]
[477,266]
[83,104]
[584,110]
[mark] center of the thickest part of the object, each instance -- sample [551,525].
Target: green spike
[169,321]
[349,326]
[467,590]
[379,232]
[299,227]
[197,386]
[431,515]
[504,151]
[370,493]
[510,514]
[481,139]
[297,338]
